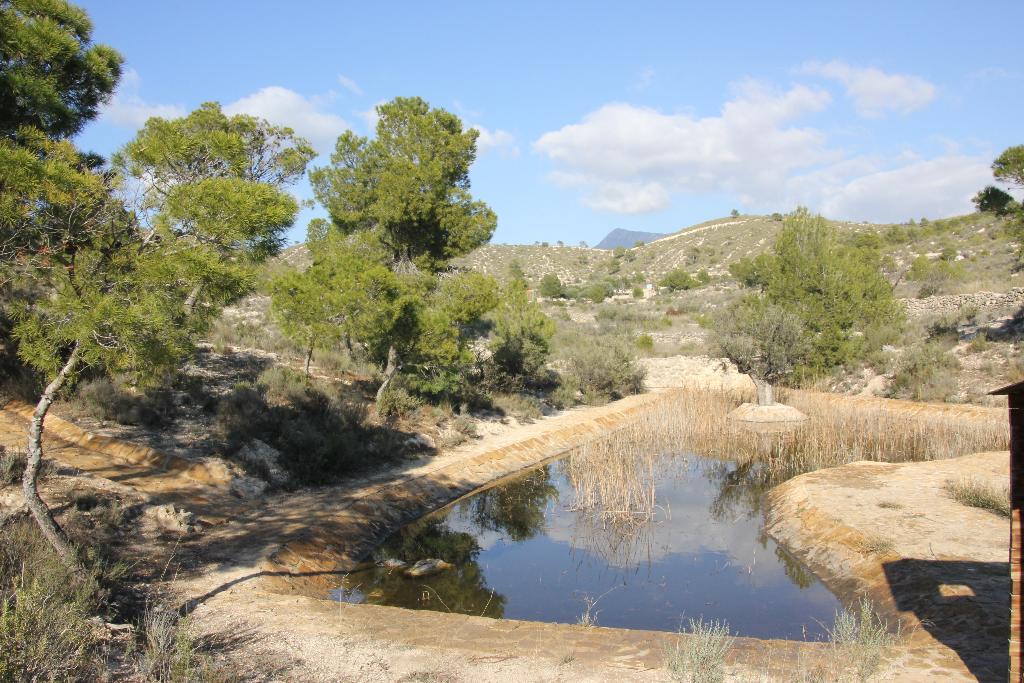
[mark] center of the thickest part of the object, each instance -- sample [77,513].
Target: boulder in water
[427,568]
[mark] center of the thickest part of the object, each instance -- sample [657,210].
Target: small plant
[859,638]
[877,545]
[979,494]
[397,402]
[171,650]
[523,407]
[464,424]
[12,465]
[699,654]
[644,343]
[564,395]
[890,505]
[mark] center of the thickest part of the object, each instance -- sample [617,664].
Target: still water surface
[528,550]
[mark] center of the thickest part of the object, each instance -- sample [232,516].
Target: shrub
[103,399]
[522,339]
[522,406]
[699,655]
[318,435]
[678,279]
[463,424]
[597,292]
[565,394]
[45,633]
[644,342]
[397,402]
[925,373]
[859,638]
[171,651]
[551,286]
[605,369]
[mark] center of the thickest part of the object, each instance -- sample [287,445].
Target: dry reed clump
[614,479]
[837,432]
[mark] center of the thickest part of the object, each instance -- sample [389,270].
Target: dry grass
[838,432]
[614,479]
[979,494]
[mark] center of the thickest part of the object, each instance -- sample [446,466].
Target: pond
[632,542]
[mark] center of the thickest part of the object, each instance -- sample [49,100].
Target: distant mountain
[627,238]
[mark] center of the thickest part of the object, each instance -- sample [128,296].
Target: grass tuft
[979,494]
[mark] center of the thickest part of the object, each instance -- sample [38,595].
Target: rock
[420,442]
[777,412]
[393,563]
[427,568]
[247,487]
[264,459]
[170,518]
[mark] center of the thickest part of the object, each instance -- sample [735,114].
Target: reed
[837,432]
[615,478]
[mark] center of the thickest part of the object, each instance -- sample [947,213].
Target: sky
[594,116]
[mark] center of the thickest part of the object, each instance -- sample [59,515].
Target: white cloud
[284,107]
[937,187]
[633,157]
[127,108]
[496,140]
[872,90]
[350,85]
[628,197]
[629,159]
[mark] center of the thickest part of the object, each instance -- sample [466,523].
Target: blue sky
[593,116]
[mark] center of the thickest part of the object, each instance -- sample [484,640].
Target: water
[524,550]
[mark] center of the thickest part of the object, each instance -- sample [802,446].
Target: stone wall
[950,304]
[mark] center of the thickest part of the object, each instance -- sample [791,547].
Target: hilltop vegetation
[982,244]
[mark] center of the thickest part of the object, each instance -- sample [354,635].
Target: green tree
[215,185]
[409,185]
[993,200]
[110,304]
[127,291]
[1009,166]
[764,340]
[836,289]
[551,287]
[300,305]
[52,77]
[522,337]
[407,190]
[678,280]
[753,272]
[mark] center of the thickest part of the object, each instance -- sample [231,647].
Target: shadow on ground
[964,605]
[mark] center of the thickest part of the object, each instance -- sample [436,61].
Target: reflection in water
[659,538]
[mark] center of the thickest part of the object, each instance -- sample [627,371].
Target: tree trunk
[192,299]
[309,357]
[44,518]
[765,392]
[389,372]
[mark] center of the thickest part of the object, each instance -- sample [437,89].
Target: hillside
[627,238]
[977,243]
